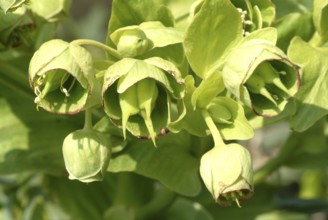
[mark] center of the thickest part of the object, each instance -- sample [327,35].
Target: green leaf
[216,29]
[31,140]
[312,105]
[309,149]
[79,200]
[171,162]
[282,214]
[191,211]
[119,212]
[284,7]
[238,126]
[320,18]
[131,12]
[294,24]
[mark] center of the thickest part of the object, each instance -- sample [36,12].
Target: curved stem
[87,42]
[160,202]
[218,141]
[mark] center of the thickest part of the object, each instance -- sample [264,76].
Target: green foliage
[174,103]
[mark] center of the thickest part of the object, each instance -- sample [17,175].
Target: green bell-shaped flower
[86,154]
[62,77]
[259,74]
[227,173]
[270,86]
[137,94]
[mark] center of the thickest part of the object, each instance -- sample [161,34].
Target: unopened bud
[86,154]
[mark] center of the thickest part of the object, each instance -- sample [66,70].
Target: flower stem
[87,42]
[218,141]
[88,119]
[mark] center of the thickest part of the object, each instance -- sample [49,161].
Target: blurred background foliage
[291,178]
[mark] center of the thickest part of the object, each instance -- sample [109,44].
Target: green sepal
[54,11]
[231,121]
[86,154]
[57,67]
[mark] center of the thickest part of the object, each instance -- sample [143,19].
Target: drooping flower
[62,77]
[227,173]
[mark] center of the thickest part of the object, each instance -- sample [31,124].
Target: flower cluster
[204,78]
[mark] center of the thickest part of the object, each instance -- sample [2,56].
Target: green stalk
[160,202]
[88,119]
[93,43]
[214,130]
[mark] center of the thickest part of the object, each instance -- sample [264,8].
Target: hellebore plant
[168,83]
[147,91]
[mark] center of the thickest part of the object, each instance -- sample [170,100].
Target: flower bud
[86,154]
[136,40]
[133,43]
[227,173]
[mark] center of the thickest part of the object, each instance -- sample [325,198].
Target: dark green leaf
[171,162]
[312,105]
[216,29]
